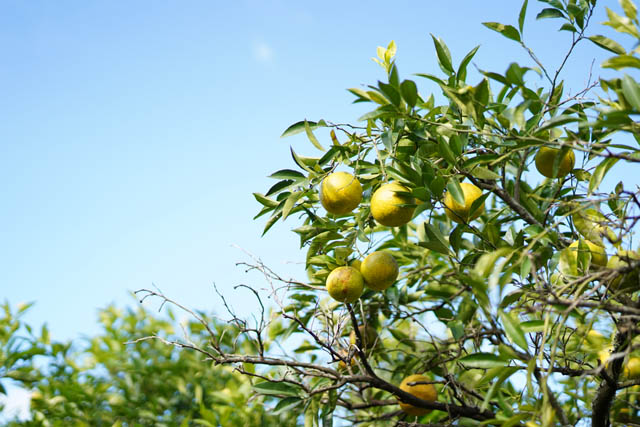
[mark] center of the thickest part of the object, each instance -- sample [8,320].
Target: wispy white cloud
[262,52]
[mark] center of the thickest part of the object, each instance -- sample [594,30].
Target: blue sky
[133,133]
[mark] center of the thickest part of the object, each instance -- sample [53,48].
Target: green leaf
[445,151]
[557,121]
[457,329]
[600,172]
[265,201]
[290,203]
[312,137]
[271,221]
[532,326]
[277,388]
[522,15]
[584,256]
[287,174]
[390,92]
[513,330]
[286,405]
[509,31]
[621,24]
[484,173]
[299,127]
[487,261]
[631,91]
[568,27]
[444,57]
[621,61]
[437,186]
[436,240]
[608,44]
[279,186]
[409,92]
[455,190]
[550,13]
[300,161]
[462,69]
[483,361]
[503,375]
[629,9]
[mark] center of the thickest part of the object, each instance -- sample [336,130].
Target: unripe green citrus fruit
[546,157]
[380,270]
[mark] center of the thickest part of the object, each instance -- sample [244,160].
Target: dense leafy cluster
[106,380]
[501,311]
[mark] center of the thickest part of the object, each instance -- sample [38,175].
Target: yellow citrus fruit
[591,224]
[342,365]
[628,281]
[461,213]
[356,263]
[598,253]
[546,157]
[369,336]
[422,391]
[632,368]
[380,270]
[595,338]
[345,284]
[387,206]
[603,355]
[340,193]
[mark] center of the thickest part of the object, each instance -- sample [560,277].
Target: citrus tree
[108,379]
[466,262]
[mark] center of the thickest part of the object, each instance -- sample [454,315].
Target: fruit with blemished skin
[345,284]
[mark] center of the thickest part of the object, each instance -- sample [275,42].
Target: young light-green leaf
[277,388]
[483,361]
[299,127]
[608,44]
[522,15]
[621,61]
[509,31]
[600,172]
[513,330]
[312,137]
